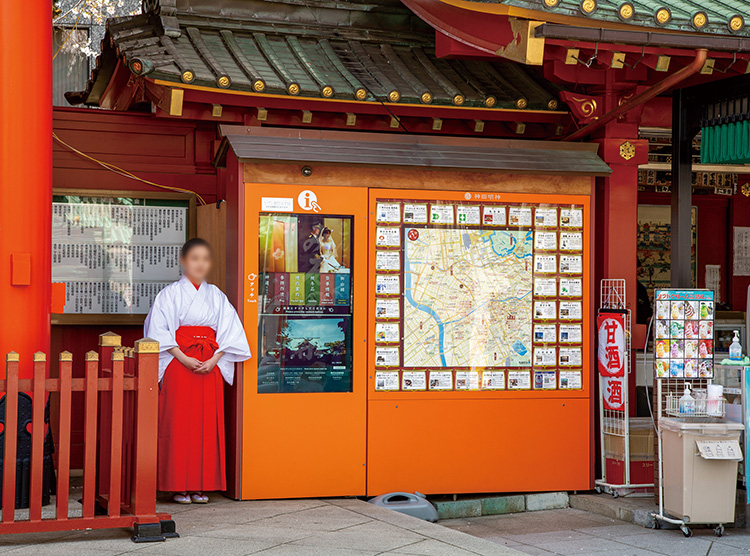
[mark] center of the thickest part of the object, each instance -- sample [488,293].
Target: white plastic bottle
[687,402]
[735,349]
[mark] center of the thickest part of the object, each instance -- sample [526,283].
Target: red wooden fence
[121,392]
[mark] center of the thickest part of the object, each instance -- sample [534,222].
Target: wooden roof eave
[484,9]
[229,97]
[488,27]
[264,145]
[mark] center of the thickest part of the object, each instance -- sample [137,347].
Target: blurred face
[196,264]
[326,235]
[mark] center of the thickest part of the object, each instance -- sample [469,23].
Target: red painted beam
[25,175]
[486,33]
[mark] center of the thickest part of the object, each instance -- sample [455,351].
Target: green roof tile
[314,59]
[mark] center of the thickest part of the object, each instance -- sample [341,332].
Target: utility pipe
[677,77]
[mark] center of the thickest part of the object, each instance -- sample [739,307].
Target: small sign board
[720,449]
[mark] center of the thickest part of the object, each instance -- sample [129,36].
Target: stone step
[475,506]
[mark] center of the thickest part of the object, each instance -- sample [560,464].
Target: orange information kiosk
[414,328]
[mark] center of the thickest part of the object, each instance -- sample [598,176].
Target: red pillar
[617,224]
[25,178]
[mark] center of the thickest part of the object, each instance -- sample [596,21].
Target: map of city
[467,298]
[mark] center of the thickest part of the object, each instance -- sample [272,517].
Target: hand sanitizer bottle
[735,349]
[687,402]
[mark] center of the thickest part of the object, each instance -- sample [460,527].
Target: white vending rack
[614,422]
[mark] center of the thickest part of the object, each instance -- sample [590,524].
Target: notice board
[116,253]
[480,351]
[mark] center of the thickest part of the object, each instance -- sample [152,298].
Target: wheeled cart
[698,472]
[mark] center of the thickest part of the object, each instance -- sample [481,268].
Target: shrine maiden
[200,339]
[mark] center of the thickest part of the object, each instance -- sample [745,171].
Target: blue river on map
[518,345]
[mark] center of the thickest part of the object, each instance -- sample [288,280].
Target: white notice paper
[414,380]
[388,212]
[441,214]
[741,251]
[388,237]
[386,380]
[387,284]
[415,213]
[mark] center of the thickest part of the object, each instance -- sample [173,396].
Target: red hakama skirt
[191,455]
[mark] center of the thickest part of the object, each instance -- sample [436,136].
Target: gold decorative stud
[627,150]
[92,356]
[551,3]
[522,103]
[745,189]
[394,96]
[700,20]
[259,86]
[187,76]
[588,6]
[426,98]
[293,89]
[136,67]
[553,104]
[360,93]
[663,16]
[736,23]
[490,101]
[626,11]
[40,357]
[66,356]
[224,81]
[458,100]
[327,91]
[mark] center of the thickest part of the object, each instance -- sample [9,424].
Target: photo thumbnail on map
[305,354]
[467,297]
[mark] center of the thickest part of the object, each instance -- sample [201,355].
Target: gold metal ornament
[327,91]
[627,150]
[587,106]
[663,16]
[458,100]
[551,3]
[588,6]
[259,86]
[188,76]
[426,98]
[745,189]
[553,104]
[736,23]
[490,101]
[224,81]
[700,20]
[394,96]
[360,94]
[522,103]
[293,89]
[626,11]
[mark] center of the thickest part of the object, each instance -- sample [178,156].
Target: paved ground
[332,527]
[582,533]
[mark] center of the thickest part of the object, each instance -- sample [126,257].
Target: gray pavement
[329,527]
[582,533]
